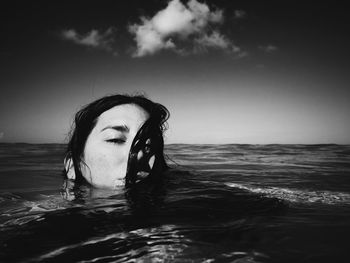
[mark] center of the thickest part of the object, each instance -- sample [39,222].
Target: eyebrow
[121,128]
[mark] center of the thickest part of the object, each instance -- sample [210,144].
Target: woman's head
[103,134]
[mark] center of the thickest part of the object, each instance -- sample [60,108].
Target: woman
[117,140]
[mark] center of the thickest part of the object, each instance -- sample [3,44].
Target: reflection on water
[220,203]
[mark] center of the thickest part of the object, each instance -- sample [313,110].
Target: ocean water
[218,203]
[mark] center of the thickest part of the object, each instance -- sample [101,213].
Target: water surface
[218,203]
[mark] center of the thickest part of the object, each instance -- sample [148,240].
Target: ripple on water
[296,195]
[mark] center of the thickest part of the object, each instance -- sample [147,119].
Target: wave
[155,244]
[297,196]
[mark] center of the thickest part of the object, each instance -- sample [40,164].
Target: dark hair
[86,119]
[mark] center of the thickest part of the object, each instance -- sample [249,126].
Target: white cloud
[214,40]
[238,14]
[94,38]
[178,22]
[149,40]
[183,28]
[268,48]
[174,19]
[241,54]
[218,41]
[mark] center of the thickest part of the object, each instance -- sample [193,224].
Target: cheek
[107,163]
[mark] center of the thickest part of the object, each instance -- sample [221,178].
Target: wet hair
[86,119]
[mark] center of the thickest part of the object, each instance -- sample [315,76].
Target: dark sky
[279,75]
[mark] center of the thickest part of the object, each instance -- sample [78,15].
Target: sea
[238,203]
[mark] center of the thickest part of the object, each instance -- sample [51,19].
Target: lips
[119,182]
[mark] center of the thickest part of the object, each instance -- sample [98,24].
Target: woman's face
[107,147]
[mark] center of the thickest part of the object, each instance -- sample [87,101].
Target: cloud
[149,40]
[178,24]
[216,40]
[268,48]
[2,134]
[93,39]
[239,14]
[185,28]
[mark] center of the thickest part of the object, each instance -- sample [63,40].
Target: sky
[256,72]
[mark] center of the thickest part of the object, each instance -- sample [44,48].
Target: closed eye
[116,141]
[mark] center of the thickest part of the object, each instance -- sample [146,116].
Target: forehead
[129,114]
